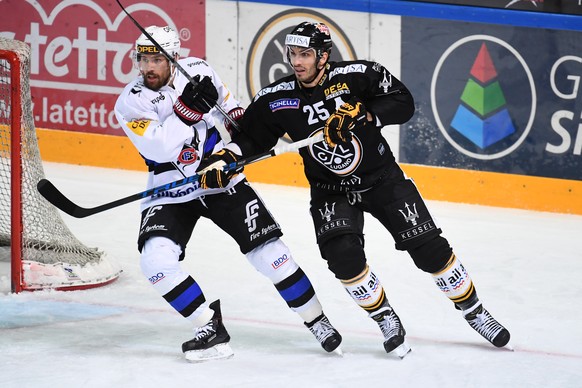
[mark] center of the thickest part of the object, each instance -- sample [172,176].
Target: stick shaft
[59,200]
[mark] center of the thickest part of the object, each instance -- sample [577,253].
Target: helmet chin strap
[173,70]
[172,75]
[317,74]
[318,57]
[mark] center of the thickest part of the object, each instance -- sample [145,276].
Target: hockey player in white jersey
[172,123]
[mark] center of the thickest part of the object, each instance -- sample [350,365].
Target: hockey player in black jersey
[171,122]
[354,171]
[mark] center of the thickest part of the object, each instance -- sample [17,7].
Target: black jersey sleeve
[387,97]
[258,131]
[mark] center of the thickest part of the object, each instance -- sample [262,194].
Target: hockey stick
[59,200]
[176,64]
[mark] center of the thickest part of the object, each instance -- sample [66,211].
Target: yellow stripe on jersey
[138,126]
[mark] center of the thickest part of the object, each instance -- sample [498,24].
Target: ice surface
[526,267]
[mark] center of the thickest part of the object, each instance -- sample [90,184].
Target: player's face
[304,63]
[155,69]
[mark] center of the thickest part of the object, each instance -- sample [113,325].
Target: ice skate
[210,341]
[329,338]
[393,331]
[486,325]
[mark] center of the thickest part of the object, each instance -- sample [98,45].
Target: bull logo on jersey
[342,160]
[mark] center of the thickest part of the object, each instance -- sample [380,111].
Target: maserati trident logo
[411,214]
[386,82]
[327,212]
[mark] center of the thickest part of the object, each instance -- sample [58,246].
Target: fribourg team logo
[267,62]
[483,97]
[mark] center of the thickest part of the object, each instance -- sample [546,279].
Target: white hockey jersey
[148,119]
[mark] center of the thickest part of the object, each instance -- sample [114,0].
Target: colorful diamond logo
[482,116]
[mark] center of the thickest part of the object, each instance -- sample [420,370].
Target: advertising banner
[261,31]
[493,98]
[265,59]
[82,53]
[554,6]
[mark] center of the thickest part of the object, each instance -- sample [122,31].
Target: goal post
[40,250]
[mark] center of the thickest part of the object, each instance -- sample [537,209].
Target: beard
[153,81]
[308,75]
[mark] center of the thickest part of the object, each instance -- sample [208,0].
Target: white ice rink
[527,267]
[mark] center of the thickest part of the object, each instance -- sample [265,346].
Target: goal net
[35,244]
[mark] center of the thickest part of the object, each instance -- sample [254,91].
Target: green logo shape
[483,99]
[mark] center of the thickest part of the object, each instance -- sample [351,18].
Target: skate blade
[217,352]
[338,351]
[402,350]
[508,347]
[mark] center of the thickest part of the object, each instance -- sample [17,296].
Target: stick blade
[58,199]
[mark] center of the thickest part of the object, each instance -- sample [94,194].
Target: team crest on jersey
[284,103]
[342,160]
[187,156]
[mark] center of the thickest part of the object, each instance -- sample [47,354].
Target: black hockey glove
[339,126]
[236,115]
[196,100]
[212,175]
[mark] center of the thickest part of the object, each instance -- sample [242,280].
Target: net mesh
[49,247]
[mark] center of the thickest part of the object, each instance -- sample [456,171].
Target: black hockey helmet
[312,35]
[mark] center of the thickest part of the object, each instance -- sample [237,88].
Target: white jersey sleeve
[225,99]
[147,118]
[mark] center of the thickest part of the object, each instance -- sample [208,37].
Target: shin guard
[454,281]
[366,290]
[274,260]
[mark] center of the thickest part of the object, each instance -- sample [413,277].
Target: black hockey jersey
[285,108]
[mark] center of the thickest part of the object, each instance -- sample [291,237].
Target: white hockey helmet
[166,37]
